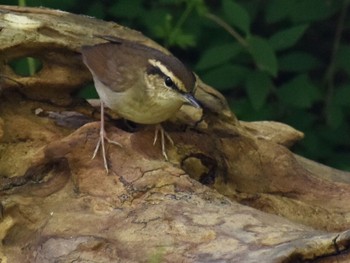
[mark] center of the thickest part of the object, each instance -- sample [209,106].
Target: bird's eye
[168,82]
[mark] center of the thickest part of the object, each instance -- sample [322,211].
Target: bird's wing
[112,64]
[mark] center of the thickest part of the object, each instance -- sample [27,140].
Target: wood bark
[231,192]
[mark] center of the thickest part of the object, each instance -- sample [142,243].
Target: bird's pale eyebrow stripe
[162,68]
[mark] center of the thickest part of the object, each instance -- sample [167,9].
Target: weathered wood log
[208,204]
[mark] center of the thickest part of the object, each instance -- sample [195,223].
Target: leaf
[298,61]
[62,5]
[182,39]
[126,9]
[263,54]
[226,76]
[201,7]
[312,10]
[96,9]
[300,119]
[88,92]
[218,55]
[342,95]
[339,160]
[315,146]
[164,28]
[236,15]
[277,10]
[244,110]
[335,116]
[343,58]
[340,135]
[299,92]
[258,86]
[157,22]
[287,38]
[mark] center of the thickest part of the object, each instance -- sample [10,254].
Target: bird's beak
[189,99]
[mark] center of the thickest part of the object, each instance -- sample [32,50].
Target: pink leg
[101,140]
[163,135]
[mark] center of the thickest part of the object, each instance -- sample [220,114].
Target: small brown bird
[139,83]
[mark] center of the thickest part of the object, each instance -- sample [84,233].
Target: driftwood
[231,192]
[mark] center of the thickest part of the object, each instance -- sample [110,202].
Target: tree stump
[231,191]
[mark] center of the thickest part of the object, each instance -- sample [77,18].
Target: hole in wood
[26,66]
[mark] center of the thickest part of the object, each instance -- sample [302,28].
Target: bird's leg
[163,135]
[101,140]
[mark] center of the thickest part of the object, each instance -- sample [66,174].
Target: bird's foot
[163,134]
[101,143]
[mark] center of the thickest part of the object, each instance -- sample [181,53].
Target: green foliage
[299,92]
[287,38]
[285,60]
[218,55]
[258,86]
[26,66]
[277,10]
[263,54]
[236,15]
[299,61]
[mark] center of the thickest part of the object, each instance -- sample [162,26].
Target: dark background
[282,60]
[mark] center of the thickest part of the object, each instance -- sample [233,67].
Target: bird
[139,83]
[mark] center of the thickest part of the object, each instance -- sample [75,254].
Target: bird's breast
[137,105]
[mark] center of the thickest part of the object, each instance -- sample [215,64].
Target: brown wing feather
[110,65]
[117,64]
